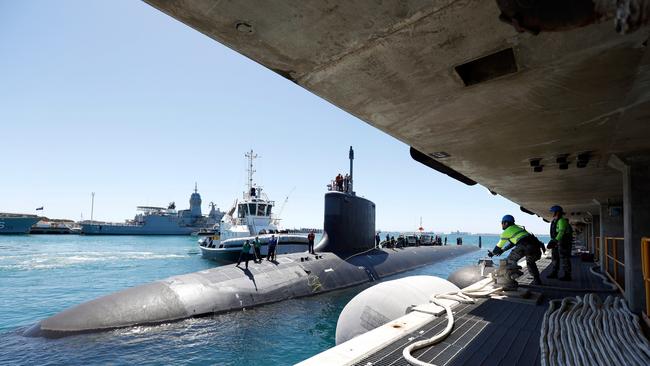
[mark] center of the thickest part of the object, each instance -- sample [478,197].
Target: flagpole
[92,205]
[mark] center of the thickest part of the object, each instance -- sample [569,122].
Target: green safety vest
[257,243]
[512,234]
[562,229]
[246,248]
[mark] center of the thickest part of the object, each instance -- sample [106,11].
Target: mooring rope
[465,296]
[586,331]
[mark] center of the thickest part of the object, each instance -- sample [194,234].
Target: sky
[117,98]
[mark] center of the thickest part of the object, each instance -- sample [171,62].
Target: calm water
[42,275]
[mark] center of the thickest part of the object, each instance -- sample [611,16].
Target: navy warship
[11,223]
[346,256]
[159,220]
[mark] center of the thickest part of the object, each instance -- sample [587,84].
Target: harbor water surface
[41,275]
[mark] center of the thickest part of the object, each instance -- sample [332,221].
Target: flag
[39,208]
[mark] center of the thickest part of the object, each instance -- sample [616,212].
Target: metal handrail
[613,272]
[597,248]
[645,263]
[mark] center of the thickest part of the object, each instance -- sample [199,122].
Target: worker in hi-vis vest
[560,244]
[525,245]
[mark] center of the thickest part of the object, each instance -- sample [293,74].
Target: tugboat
[251,217]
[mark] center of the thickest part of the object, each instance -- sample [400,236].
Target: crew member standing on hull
[377,240]
[311,237]
[244,254]
[339,182]
[560,244]
[525,244]
[273,243]
[257,246]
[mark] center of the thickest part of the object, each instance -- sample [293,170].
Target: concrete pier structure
[611,226]
[530,104]
[595,232]
[636,202]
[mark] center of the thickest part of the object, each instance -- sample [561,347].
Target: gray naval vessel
[346,256]
[12,223]
[159,220]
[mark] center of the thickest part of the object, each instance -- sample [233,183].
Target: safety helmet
[508,218]
[555,209]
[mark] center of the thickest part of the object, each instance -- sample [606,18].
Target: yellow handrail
[617,260]
[645,263]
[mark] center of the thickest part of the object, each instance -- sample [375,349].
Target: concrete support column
[611,225]
[636,201]
[595,232]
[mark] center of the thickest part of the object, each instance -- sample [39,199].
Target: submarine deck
[491,331]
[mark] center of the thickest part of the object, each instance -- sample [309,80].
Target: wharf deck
[493,332]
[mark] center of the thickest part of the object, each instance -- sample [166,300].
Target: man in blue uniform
[525,244]
[273,243]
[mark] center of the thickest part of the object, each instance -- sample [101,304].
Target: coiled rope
[465,296]
[585,331]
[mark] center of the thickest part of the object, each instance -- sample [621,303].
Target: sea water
[41,275]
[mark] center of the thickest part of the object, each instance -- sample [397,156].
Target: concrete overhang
[449,79]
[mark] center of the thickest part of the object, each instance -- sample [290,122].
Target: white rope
[606,280]
[585,331]
[465,296]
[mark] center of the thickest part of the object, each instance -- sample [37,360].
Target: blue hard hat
[556,208]
[508,218]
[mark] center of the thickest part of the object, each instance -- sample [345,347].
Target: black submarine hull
[229,288]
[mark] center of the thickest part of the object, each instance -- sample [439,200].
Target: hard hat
[508,218]
[555,209]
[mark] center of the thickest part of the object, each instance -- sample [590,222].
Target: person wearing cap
[560,244]
[525,245]
[244,254]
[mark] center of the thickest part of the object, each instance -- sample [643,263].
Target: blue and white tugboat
[252,216]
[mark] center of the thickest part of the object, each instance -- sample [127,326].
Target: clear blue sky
[118,98]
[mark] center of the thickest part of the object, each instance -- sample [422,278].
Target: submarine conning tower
[349,224]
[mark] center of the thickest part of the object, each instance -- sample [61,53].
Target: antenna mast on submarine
[350,186]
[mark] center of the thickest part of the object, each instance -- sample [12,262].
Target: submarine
[346,256]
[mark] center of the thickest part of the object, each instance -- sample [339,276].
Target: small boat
[245,220]
[412,240]
[207,231]
[427,239]
[52,227]
[228,250]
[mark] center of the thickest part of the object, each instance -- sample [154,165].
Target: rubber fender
[468,275]
[385,302]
